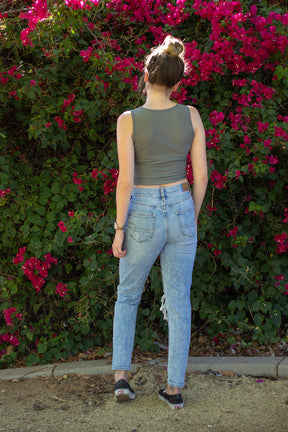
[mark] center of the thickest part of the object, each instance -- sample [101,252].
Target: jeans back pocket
[141,226]
[186,221]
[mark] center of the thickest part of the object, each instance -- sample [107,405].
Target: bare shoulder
[125,117]
[124,121]
[195,118]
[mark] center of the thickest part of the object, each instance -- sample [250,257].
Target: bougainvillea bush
[68,68]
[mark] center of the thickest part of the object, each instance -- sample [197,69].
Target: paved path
[276,367]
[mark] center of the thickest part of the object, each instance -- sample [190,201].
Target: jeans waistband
[160,191]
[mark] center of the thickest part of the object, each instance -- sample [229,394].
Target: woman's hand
[118,244]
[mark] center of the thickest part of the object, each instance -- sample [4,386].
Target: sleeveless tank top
[162,139]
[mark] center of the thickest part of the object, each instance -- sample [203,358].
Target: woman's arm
[199,161]
[125,149]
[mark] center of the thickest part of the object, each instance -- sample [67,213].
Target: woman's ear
[174,88]
[145,75]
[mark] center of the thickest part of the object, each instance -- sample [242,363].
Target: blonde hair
[165,64]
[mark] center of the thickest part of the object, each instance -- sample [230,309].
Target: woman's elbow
[124,184]
[201,178]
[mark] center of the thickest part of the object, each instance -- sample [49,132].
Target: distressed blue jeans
[160,221]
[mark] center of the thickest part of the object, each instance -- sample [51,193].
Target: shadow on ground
[85,404]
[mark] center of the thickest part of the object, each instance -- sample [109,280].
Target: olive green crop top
[162,140]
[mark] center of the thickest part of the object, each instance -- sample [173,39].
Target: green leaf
[68,268]
[42,347]
[29,336]
[41,210]
[84,328]
[32,359]
[37,220]
[276,317]
[258,319]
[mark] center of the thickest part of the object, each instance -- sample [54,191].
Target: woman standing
[156,214]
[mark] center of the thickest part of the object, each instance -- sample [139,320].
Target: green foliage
[58,112]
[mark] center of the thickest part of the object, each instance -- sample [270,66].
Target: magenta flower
[94,173]
[282,244]
[216,117]
[262,126]
[50,259]
[19,257]
[233,232]
[62,226]
[61,289]
[60,122]
[217,252]
[218,179]
[8,315]
[273,160]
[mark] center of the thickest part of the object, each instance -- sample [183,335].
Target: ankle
[120,375]
[170,390]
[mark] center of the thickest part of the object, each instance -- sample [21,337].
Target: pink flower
[48,124]
[33,83]
[5,337]
[267,143]
[279,132]
[216,117]
[233,232]
[60,122]
[86,54]
[282,244]
[19,257]
[273,160]
[94,173]
[62,226]
[61,289]
[70,99]
[262,126]
[8,315]
[13,340]
[70,239]
[50,259]
[217,252]
[238,174]
[11,71]
[218,179]
[77,181]
[71,213]
[280,238]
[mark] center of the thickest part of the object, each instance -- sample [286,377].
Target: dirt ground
[85,404]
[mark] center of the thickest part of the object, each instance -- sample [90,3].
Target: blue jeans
[160,221]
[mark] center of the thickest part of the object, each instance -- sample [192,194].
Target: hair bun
[173,47]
